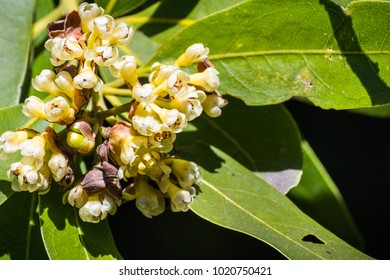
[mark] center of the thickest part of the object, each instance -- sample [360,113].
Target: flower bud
[58,110]
[45,82]
[87,79]
[194,53]
[87,13]
[145,120]
[10,141]
[213,104]
[207,80]
[122,34]
[186,172]
[126,68]
[77,196]
[80,137]
[97,207]
[180,197]
[34,107]
[64,82]
[58,165]
[144,93]
[148,199]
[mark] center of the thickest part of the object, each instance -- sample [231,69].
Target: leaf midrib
[211,186]
[294,52]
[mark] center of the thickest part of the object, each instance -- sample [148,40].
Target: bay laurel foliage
[247,167]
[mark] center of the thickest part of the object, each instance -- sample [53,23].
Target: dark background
[352,147]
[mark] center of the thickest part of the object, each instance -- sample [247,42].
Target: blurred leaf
[15,32]
[264,139]
[41,62]
[20,237]
[42,8]
[278,49]
[11,119]
[66,237]
[119,7]
[233,197]
[165,18]
[5,191]
[378,112]
[318,197]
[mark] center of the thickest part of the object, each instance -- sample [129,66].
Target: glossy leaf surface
[66,237]
[15,32]
[275,50]
[235,198]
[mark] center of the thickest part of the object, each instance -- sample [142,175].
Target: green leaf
[5,191]
[279,49]
[20,237]
[42,9]
[15,32]
[378,112]
[165,18]
[264,139]
[319,197]
[119,7]
[233,197]
[66,237]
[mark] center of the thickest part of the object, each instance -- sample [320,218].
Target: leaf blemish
[312,238]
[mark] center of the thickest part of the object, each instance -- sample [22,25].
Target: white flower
[87,79]
[58,110]
[87,13]
[162,141]
[207,80]
[213,104]
[102,55]
[104,26]
[194,53]
[144,93]
[172,119]
[186,172]
[63,49]
[144,121]
[160,73]
[122,34]
[64,82]
[77,196]
[126,68]
[45,82]
[35,149]
[58,165]
[148,199]
[34,107]
[97,207]
[28,177]
[10,141]
[181,199]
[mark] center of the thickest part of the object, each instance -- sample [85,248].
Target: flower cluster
[132,159]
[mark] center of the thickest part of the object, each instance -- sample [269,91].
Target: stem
[110,6]
[114,111]
[116,91]
[40,25]
[138,19]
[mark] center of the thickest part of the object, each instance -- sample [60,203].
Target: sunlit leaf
[15,32]
[67,237]
[119,7]
[319,197]
[19,226]
[278,49]
[263,139]
[233,197]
